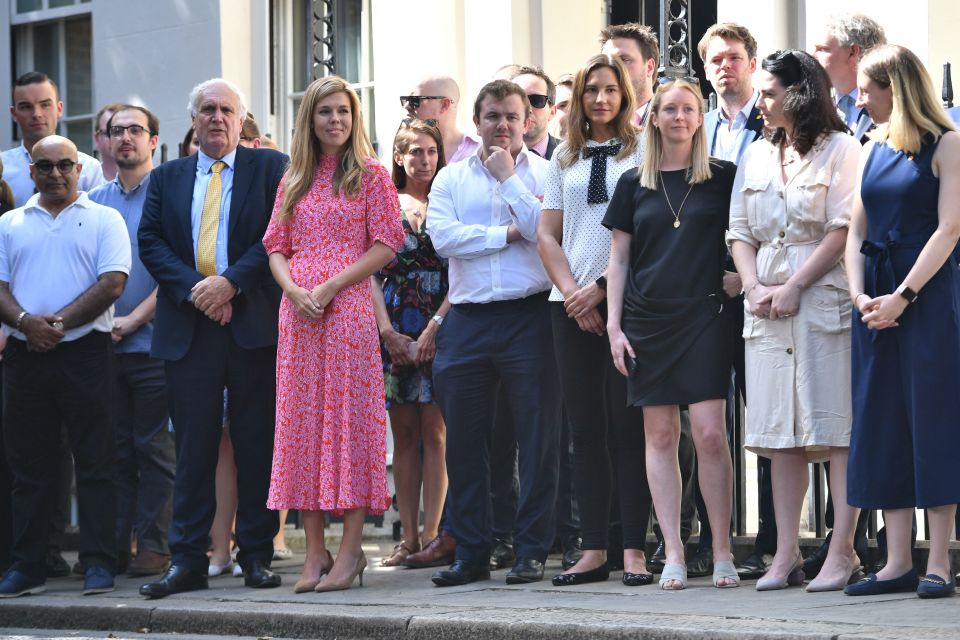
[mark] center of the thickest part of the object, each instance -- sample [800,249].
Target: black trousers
[146,460]
[6,496]
[595,398]
[195,386]
[70,387]
[480,348]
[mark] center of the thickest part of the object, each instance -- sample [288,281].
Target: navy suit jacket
[754,129]
[166,249]
[551,146]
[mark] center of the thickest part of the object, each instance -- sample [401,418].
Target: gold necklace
[676,212]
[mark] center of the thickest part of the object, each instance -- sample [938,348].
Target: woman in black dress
[664,300]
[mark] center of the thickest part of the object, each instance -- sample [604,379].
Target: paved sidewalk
[403,603]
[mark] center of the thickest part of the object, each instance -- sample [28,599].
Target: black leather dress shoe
[814,562]
[755,565]
[458,574]
[525,570]
[598,574]
[258,575]
[701,564]
[572,552]
[657,559]
[502,556]
[176,580]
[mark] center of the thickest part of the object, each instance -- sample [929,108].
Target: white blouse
[585,242]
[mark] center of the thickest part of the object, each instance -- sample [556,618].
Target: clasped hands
[310,304]
[881,312]
[581,305]
[774,302]
[212,296]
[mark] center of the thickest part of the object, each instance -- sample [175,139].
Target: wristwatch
[907,293]
[438,319]
[601,282]
[57,324]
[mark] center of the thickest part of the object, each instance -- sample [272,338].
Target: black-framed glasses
[413,102]
[135,130]
[430,122]
[45,167]
[538,100]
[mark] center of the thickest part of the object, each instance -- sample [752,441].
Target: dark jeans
[73,387]
[195,386]
[595,397]
[146,461]
[480,348]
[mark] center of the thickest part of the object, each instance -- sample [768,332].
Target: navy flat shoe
[870,586]
[933,586]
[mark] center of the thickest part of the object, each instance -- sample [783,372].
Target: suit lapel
[755,127]
[185,179]
[242,176]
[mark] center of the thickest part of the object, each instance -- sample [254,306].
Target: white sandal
[673,573]
[725,569]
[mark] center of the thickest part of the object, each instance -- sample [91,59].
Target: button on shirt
[16,171]
[467,221]
[140,284]
[50,260]
[204,164]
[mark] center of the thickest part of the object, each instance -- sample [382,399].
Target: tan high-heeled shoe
[303,586]
[794,577]
[330,585]
[853,568]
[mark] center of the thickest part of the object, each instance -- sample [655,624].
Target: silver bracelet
[23,314]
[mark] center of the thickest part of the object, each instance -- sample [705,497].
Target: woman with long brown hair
[335,223]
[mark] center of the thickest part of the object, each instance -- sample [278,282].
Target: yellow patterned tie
[210,223]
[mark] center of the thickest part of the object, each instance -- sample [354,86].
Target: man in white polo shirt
[63,261]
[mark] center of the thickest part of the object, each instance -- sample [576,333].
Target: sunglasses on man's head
[537,100]
[413,102]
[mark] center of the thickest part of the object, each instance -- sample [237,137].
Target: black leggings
[607,435]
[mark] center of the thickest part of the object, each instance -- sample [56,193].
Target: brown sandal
[400,553]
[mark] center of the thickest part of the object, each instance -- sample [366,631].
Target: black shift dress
[674,295]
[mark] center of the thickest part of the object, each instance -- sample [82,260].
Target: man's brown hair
[499,90]
[644,36]
[730,31]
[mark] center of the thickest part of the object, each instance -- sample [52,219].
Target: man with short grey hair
[216,327]
[839,47]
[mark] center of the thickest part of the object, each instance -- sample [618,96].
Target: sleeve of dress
[553,186]
[620,210]
[277,238]
[738,227]
[382,208]
[843,182]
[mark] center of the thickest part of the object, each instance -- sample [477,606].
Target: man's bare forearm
[9,307]
[94,301]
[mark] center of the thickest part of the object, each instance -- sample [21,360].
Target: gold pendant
[676,224]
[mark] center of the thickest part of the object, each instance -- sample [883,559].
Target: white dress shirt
[467,221]
[16,171]
[728,135]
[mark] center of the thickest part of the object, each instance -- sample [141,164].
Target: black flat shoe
[526,570]
[933,586]
[599,574]
[459,574]
[177,579]
[871,586]
[258,575]
[701,564]
[636,579]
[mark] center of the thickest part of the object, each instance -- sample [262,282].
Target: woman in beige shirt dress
[789,214]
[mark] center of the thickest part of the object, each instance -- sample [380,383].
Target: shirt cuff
[512,189]
[496,238]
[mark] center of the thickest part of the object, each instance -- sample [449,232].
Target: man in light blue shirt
[145,455]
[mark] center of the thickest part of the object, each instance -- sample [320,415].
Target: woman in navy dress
[905,284]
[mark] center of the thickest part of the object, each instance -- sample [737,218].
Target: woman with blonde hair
[410,300]
[602,143]
[664,296]
[334,224]
[788,225]
[902,262]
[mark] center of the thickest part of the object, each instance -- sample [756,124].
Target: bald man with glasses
[437,98]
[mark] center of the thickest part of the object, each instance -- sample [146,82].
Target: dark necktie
[597,189]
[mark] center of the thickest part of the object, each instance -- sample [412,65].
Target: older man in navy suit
[215,328]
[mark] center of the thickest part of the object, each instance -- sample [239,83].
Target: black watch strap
[907,293]
[602,282]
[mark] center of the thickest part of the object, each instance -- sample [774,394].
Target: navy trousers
[195,386]
[479,348]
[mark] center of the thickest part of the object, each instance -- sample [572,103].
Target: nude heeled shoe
[330,585]
[303,586]
[823,584]
[794,578]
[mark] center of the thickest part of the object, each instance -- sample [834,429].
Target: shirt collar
[82,201]
[745,110]
[204,162]
[134,188]
[541,147]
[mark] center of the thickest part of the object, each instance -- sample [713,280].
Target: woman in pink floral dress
[336,221]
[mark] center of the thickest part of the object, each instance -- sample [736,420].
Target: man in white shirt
[638,48]
[483,216]
[839,48]
[37,109]
[64,259]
